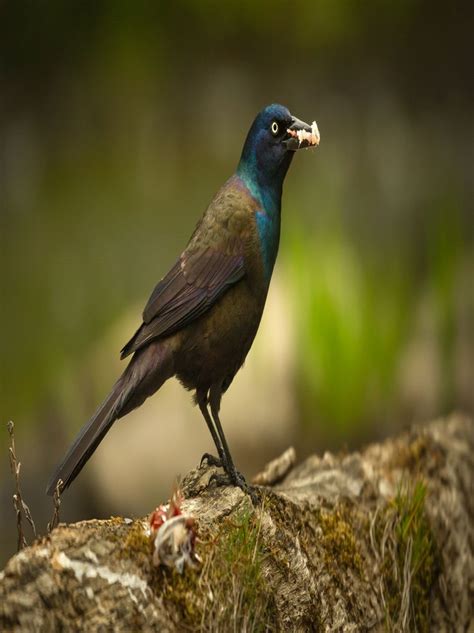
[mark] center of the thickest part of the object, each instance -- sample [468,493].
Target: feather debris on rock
[173,535]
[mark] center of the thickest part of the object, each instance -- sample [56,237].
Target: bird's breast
[264,217]
[212,349]
[268,230]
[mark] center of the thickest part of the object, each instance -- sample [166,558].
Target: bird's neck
[267,192]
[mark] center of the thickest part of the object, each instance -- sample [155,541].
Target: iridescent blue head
[270,146]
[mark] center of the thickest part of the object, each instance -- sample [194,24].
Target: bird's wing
[191,287]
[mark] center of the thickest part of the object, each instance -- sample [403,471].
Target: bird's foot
[238,480]
[211,460]
[226,479]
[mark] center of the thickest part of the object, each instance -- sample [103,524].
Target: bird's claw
[211,460]
[226,479]
[235,479]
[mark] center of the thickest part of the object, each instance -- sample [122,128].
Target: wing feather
[190,288]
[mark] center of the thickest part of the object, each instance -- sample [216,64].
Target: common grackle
[202,317]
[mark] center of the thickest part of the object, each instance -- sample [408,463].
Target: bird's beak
[300,135]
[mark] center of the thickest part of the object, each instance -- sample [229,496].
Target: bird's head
[271,143]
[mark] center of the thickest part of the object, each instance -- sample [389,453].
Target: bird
[202,317]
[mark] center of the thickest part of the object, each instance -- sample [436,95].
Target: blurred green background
[118,122]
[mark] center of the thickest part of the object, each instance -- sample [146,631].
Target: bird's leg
[235,477]
[211,460]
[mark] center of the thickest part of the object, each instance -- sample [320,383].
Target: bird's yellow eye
[274,128]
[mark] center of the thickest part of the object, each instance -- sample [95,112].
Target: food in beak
[312,138]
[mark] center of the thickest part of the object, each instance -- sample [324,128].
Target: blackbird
[202,317]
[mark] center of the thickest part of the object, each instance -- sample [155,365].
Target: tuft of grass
[408,559]
[229,592]
[235,576]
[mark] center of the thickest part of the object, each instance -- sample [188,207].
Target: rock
[377,539]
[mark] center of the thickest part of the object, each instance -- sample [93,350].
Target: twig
[19,504]
[57,503]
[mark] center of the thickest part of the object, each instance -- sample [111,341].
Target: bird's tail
[88,440]
[143,376]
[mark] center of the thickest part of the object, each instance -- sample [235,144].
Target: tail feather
[88,438]
[146,372]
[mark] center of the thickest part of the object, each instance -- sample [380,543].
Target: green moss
[181,594]
[137,539]
[339,542]
[410,560]
[137,544]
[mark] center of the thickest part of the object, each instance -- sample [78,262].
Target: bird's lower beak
[300,135]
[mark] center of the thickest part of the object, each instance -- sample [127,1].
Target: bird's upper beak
[300,135]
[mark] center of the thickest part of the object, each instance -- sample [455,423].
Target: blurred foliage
[350,328]
[118,122]
[356,312]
